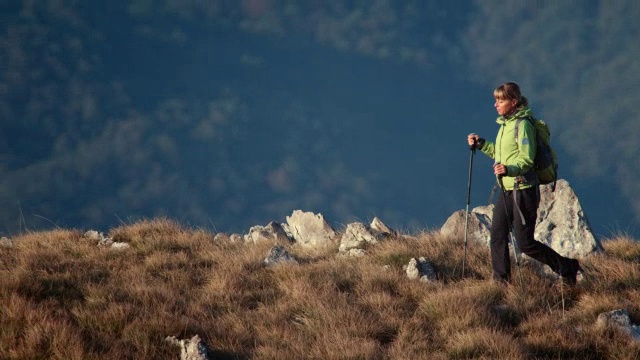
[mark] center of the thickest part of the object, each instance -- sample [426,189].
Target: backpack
[546,161]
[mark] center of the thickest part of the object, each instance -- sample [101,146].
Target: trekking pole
[472,147]
[513,238]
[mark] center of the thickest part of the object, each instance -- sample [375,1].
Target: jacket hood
[523,112]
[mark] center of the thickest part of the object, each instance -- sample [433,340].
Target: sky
[229,114]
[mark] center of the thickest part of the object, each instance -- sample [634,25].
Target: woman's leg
[528,201]
[499,242]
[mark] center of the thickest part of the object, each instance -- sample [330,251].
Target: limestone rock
[420,268]
[562,223]
[234,238]
[356,236]
[309,229]
[381,229]
[273,232]
[6,242]
[478,228]
[93,235]
[105,241]
[619,319]
[191,349]
[221,237]
[120,246]
[277,255]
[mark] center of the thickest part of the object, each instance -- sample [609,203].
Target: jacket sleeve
[489,148]
[524,159]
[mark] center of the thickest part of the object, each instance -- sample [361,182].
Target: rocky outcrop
[309,229]
[561,223]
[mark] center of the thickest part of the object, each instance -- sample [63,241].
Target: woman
[514,169]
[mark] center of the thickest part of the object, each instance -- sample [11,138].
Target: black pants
[528,201]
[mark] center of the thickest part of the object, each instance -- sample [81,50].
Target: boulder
[278,255]
[191,349]
[309,229]
[6,242]
[478,228]
[381,229]
[420,268]
[273,232]
[561,222]
[619,319]
[356,236]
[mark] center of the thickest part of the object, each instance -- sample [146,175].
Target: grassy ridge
[61,296]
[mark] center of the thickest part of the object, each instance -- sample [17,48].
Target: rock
[6,242]
[221,237]
[421,269]
[93,235]
[619,319]
[561,223]
[99,238]
[356,236]
[277,255]
[273,232]
[234,238]
[478,228]
[354,253]
[309,229]
[381,229]
[120,246]
[192,349]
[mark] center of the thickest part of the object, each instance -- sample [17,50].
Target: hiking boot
[570,274]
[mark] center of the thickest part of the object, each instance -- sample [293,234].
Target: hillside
[64,297]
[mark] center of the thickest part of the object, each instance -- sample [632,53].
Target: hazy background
[227,114]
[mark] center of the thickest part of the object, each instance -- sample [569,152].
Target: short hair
[510,91]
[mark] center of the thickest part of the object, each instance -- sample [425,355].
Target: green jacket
[517,157]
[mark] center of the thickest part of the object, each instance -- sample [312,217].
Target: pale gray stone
[93,235]
[120,246]
[356,236]
[309,229]
[273,232]
[6,242]
[234,238]
[380,228]
[619,319]
[191,349]
[221,237]
[278,255]
[478,228]
[562,223]
[420,268]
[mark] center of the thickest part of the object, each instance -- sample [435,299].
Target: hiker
[514,170]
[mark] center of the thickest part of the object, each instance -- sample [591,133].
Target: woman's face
[505,106]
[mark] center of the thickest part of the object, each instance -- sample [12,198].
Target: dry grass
[63,297]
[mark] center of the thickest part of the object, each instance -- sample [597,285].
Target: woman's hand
[472,139]
[499,169]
